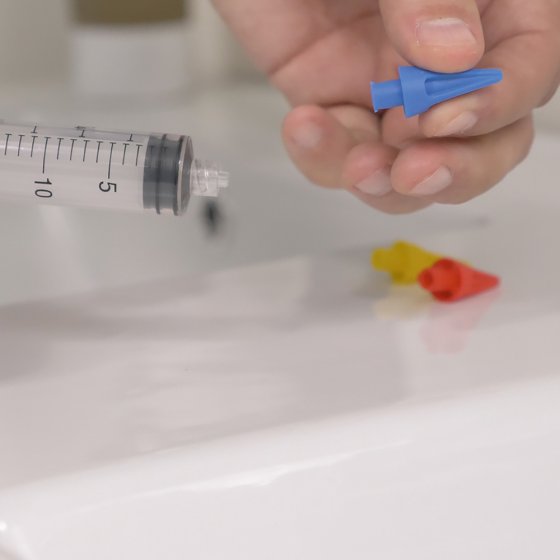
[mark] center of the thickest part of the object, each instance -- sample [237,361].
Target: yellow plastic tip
[403,261]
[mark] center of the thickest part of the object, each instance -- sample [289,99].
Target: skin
[322,54]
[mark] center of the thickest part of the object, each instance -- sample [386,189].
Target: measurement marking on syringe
[58,150]
[86,142]
[19,145]
[72,148]
[111,158]
[126,145]
[33,145]
[99,142]
[7,142]
[47,138]
[138,146]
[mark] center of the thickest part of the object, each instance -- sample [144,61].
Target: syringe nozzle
[208,178]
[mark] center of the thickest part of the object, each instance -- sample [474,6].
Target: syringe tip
[208,178]
[223,179]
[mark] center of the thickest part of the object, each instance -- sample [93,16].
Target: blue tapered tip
[418,90]
[386,95]
[423,89]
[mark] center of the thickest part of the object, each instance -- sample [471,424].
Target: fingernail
[308,136]
[444,32]
[435,183]
[378,184]
[459,125]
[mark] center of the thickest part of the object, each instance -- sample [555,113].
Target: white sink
[295,407]
[473,477]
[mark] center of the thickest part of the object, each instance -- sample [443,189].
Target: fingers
[447,171]
[367,175]
[440,35]
[333,154]
[457,170]
[340,148]
[319,140]
[531,67]
[525,46]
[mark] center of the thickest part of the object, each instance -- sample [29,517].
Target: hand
[322,54]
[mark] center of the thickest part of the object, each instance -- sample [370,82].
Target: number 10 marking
[44,193]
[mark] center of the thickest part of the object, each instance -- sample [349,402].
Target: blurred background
[36,39]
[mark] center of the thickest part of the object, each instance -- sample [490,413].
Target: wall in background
[33,40]
[34,36]
[548,117]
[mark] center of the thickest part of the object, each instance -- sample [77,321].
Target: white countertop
[118,342]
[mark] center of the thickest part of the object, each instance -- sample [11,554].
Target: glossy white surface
[293,408]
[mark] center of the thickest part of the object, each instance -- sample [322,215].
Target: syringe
[114,170]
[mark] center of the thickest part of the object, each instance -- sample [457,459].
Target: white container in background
[130,48]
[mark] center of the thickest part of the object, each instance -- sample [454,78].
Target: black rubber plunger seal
[162,174]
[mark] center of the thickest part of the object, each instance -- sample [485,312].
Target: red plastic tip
[449,280]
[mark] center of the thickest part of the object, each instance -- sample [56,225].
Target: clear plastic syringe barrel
[113,170]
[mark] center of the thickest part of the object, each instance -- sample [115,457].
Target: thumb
[439,35]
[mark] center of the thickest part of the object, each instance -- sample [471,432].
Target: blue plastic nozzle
[418,90]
